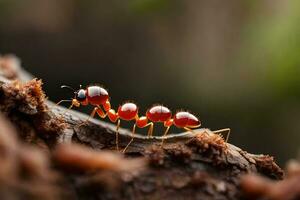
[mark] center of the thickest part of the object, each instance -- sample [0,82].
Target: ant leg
[71,106]
[64,100]
[74,102]
[167,124]
[192,131]
[107,106]
[142,122]
[92,115]
[150,131]
[132,137]
[223,130]
[188,129]
[97,110]
[113,117]
[117,134]
[164,135]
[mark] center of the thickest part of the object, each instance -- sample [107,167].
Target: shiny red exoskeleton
[186,120]
[99,97]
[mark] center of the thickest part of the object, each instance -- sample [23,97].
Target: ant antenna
[66,86]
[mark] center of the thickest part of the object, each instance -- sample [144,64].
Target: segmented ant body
[99,98]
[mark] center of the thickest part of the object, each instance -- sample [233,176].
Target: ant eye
[80,96]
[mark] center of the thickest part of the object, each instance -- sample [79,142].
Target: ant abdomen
[159,113]
[186,119]
[96,95]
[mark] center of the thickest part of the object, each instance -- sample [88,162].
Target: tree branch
[197,165]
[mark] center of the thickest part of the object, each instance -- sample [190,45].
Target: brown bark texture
[46,153]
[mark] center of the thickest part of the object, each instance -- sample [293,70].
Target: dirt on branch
[45,154]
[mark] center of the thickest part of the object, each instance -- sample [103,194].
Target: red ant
[98,96]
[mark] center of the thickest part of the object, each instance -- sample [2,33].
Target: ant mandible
[97,96]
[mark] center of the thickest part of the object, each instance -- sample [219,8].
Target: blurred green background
[232,63]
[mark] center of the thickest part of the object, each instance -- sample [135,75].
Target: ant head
[80,95]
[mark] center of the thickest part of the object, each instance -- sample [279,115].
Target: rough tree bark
[45,154]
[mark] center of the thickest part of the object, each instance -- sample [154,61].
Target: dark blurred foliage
[233,63]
